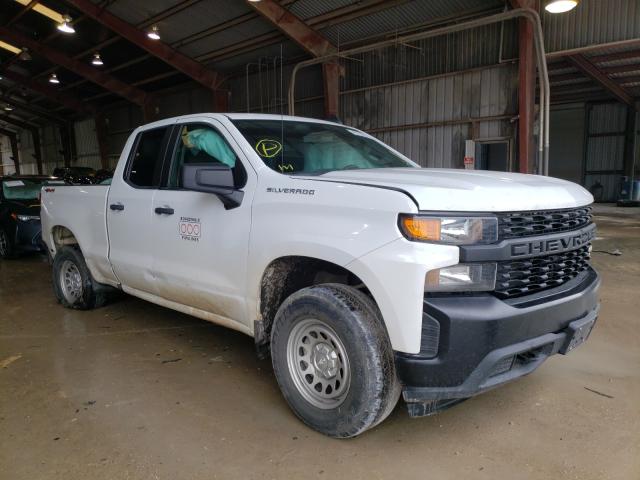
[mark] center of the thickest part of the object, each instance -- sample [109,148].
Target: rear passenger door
[201,248]
[129,211]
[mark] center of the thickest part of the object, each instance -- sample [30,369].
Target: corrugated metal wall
[25,147]
[5,156]
[424,99]
[50,146]
[605,139]
[429,119]
[268,85]
[87,144]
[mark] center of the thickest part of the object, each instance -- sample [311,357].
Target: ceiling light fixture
[560,6]
[65,26]
[25,56]
[97,60]
[53,78]
[154,33]
[8,107]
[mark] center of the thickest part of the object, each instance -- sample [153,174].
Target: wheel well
[63,236]
[286,275]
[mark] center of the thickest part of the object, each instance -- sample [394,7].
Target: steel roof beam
[106,81]
[65,99]
[24,10]
[164,52]
[313,42]
[585,65]
[609,57]
[294,28]
[22,105]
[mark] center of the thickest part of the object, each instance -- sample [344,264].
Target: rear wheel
[72,282]
[333,360]
[6,245]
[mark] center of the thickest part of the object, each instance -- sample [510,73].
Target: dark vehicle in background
[102,175]
[20,229]
[76,175]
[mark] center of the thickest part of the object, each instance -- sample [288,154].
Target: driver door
[200,248]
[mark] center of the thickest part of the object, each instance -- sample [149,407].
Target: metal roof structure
[216,39]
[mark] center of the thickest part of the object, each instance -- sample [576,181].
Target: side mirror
[216,179]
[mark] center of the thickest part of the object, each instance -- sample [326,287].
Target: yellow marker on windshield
[268,148]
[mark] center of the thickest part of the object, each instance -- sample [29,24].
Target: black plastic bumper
[485,342]
[29,236]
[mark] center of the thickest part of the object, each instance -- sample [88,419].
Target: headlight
[27,218]
[449,230]
[464,277]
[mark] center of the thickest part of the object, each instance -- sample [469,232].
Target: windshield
[21,189]
[315,148]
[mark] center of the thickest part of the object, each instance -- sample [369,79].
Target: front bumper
[485,342]
[29,236]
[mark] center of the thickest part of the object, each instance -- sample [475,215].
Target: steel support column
[526,90]
[331,76]
[37,148]
[220,100]
[65,140]
[630,145]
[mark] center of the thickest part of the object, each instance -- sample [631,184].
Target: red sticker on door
[190,229]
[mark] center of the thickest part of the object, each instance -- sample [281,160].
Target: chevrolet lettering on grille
[544,246]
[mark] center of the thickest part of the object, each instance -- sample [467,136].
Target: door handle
[164,210]
[116,206]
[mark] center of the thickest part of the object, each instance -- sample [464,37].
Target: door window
[203,144]
[145,169]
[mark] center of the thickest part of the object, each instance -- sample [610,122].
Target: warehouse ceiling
[220,37]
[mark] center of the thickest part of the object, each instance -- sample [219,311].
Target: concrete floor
[133,390]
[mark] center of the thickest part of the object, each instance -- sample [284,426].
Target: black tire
[92,294]
[373,389]
[7,249]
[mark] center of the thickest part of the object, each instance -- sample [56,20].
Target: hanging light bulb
[25,56]
[53,78]
[66,26]
[97,60]
[154,33]
[560,6]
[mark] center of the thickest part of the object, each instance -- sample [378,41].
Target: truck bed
[82,210]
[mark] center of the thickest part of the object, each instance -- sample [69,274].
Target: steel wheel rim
[70,281]
[4,243]
[318,363]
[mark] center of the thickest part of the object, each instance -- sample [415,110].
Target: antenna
[281,109]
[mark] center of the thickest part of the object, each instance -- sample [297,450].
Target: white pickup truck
[363,275]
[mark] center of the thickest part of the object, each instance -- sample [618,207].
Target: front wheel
[333,360]
[72,282]
[6,245]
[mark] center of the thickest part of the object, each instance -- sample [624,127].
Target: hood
[470,190]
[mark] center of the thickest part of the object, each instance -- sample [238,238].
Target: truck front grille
[524,224]
[523,277]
